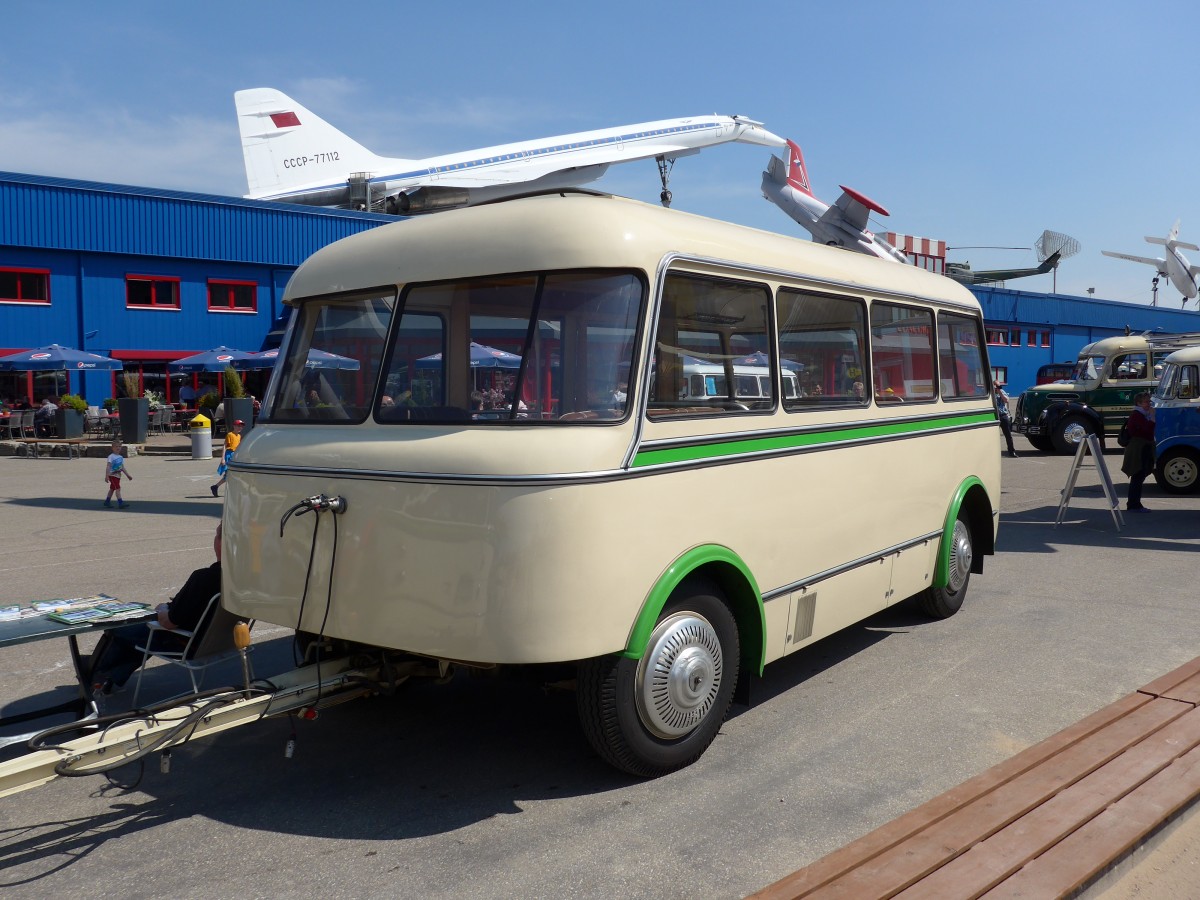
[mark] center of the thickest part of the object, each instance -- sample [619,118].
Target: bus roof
[564,230]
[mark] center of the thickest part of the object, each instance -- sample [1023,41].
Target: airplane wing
[1159,263]
[853,209]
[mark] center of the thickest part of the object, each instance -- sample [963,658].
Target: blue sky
[980,124]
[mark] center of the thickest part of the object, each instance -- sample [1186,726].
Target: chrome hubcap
[961,555]
[679,675]
[1075,433]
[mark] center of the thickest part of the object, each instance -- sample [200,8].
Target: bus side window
[703,327]
[902,352]
[822,343]
[960,359]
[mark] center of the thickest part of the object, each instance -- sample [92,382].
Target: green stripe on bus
[739,446]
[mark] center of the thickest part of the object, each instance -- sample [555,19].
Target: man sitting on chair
[117,655]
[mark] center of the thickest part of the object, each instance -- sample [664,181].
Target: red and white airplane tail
[797,172]
[786,184]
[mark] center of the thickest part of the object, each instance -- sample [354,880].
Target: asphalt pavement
[485,788]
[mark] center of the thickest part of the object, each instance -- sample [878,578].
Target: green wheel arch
[733,576]
[971,500]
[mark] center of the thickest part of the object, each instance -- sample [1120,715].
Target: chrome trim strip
[846,567]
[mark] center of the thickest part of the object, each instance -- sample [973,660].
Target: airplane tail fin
[285,145]
[797,172]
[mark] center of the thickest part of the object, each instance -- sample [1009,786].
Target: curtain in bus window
[960,357]
[902,364]
[712,350]
[821,349]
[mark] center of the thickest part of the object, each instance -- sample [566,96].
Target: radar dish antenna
[1052,242]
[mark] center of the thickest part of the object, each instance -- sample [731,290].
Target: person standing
[1005,416]
[114,469]
[1138,461]
[232,440]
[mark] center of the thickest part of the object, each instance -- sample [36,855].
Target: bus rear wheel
[653,715]
[943,602]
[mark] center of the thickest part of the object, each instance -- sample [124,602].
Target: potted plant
[134,410]
[208,403]
[237,404]
[110,404]
[68,420]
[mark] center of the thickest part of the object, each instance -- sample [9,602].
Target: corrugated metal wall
[59,214]
[90,236]
[1072,322]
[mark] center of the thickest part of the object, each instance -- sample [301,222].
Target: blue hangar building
[149,276]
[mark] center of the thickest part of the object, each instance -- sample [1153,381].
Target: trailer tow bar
[116,740]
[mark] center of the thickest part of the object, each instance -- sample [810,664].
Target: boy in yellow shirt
[232,439]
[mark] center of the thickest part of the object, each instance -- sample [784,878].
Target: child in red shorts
[114,468]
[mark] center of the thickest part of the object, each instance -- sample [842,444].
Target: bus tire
[1178,471]
[659,713]
[943,602]
[1069,431]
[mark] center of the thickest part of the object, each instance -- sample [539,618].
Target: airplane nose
[754,134]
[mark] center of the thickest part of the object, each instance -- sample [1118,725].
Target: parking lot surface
[486,788]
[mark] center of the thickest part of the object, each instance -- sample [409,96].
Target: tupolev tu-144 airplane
[295,156]
[842,225]
[1172,265]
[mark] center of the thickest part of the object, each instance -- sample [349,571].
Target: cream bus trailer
[664,545]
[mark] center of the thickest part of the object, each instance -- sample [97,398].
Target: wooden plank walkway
[1046,823]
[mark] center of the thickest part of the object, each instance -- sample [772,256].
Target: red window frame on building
[997,337]
[23,279]
[223,295]
[164,291]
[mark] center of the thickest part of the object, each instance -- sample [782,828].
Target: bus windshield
[537,347]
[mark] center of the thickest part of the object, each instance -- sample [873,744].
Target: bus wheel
[656,714]
[1040,442]
[943,602]
[1068,433]
[1178,471]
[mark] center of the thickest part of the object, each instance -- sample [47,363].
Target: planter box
[241,408]
[68,423]
[135,419]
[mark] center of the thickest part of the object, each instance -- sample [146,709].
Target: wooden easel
[1090,444]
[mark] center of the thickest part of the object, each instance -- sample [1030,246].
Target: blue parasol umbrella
[57,359]
[317,359]
[214,360]
[482,357]
[758,358]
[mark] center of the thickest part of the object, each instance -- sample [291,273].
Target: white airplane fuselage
[1172,264]
[293,155]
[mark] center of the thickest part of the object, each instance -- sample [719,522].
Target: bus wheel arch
[659,712]
[967,537]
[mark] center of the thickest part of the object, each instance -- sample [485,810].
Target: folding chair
[211,643]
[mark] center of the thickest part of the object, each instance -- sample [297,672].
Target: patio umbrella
[482,357]
[317,359]
[55,358]
[214,360]
[758,358]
